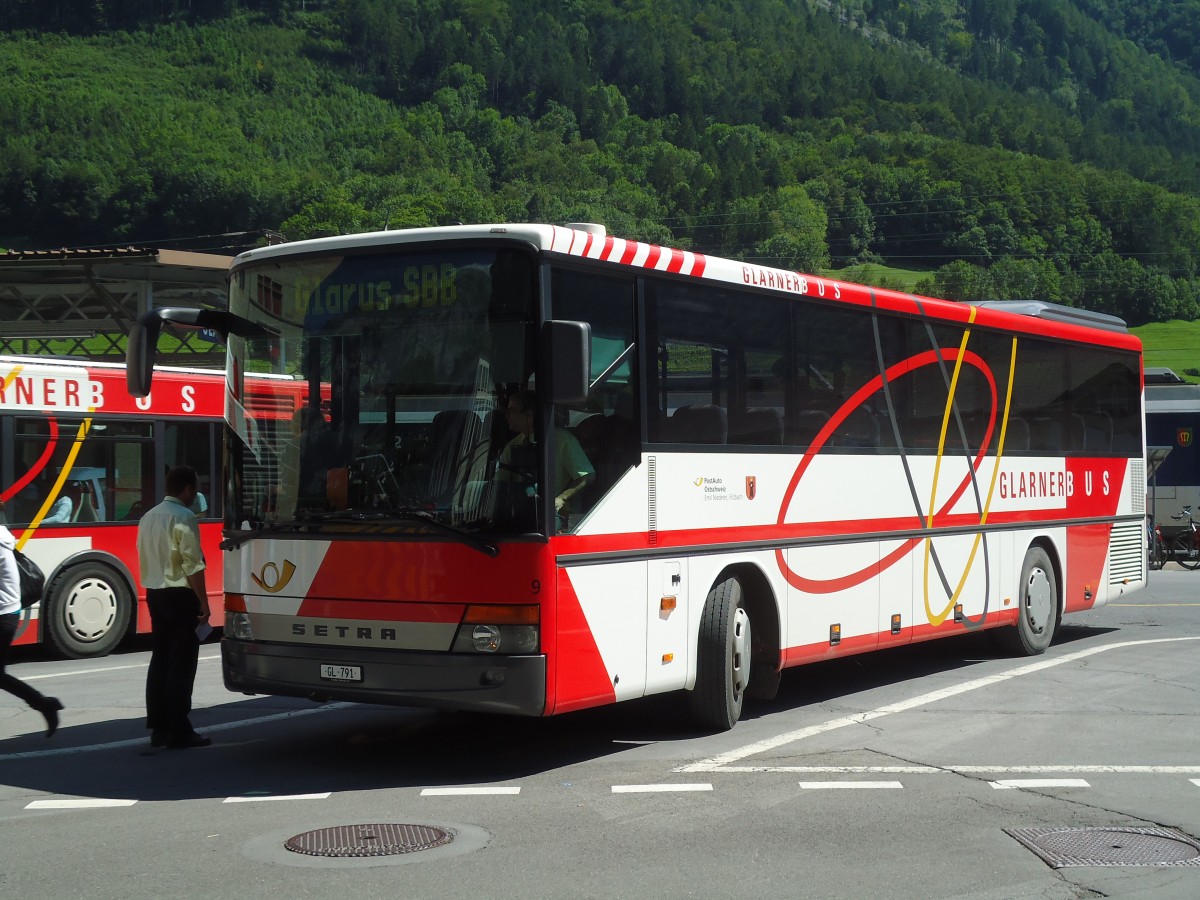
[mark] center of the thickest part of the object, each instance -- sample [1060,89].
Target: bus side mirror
[569,345]
[143,338]
[140,352]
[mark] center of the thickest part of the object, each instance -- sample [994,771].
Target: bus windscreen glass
[403,358]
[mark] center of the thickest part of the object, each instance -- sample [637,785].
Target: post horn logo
[271,579]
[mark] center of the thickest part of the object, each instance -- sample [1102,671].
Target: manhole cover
[346,841]
[1061,847]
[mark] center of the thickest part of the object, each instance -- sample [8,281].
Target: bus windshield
[406,361]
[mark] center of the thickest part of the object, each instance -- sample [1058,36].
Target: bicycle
[1156,547]
[1185,546]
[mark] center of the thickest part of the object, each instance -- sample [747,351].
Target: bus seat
[1046,434]
[453,440]
[1016,435]
[699,425]
[805,426]
[859,429]
[1097,431]
[85,512]
[496,434]
[593,436]
[757,426]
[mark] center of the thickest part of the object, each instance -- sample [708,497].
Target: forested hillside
[1008,148]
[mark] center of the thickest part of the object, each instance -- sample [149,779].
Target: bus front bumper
[515,685]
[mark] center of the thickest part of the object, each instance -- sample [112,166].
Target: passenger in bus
[64,507]
[573,470]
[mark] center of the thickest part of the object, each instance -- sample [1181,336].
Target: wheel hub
[740,668]
[90,610]
[1039,601]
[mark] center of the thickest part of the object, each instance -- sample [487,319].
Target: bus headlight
[498,629]
[486,638]
[237,626]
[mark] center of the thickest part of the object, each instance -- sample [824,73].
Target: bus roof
[591,241]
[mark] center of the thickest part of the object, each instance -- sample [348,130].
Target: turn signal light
[501,614]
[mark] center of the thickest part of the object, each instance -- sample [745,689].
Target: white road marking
[1010,783]
[719,762]
[101,670]
[1195,781]
[847,785]
[78,803]
[964,770]
[269,797]
[469,791]
[145,741]
[659,788]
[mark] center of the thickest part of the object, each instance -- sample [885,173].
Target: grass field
[1175,345]
[878,276]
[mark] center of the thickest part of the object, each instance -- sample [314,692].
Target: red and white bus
[783,469]
[80,460]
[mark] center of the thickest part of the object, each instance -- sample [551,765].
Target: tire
[1158,555]
[86,612]
[1184,550]
[723,658]
[1038,612]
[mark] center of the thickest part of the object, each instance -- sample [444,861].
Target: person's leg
[47,706]
[157,719]
[182,650]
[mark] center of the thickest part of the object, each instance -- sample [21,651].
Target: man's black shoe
[158,738]
[190,740]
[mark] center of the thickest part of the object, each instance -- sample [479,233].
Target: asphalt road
[903,774]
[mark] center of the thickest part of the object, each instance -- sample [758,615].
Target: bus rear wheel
[723,658]
[1037,614]
[87,611]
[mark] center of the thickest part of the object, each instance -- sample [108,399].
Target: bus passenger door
[666,626]
[601,656]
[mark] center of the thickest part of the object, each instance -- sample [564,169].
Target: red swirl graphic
[19,485]
[858,399]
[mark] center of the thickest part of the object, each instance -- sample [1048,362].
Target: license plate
[341,673]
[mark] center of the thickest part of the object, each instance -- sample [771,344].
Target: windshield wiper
[262,530]
[407,514]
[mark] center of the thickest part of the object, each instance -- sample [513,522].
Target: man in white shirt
[172,572]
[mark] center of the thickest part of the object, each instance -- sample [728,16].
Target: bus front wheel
[1037,614]
[723,658]
[86,612]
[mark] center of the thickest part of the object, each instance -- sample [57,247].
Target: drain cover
[347,841]
[1062,847]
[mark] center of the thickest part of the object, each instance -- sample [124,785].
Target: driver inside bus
[573,470]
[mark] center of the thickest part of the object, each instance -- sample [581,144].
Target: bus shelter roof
[81,302]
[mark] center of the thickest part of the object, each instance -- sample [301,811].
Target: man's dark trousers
[174,614]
